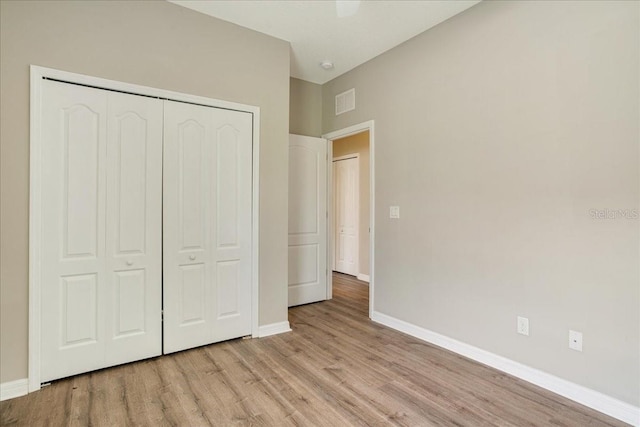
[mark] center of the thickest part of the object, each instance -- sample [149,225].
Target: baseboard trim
[363,277]
[273,329]
[583,395]
[12,389]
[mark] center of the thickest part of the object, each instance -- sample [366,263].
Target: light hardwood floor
[336,368]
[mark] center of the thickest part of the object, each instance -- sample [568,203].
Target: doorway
[354,145]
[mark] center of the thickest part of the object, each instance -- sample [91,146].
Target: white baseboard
[363,277]
[12,389]
[583,395]
[273,329]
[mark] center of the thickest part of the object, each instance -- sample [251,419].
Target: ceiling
[317,34]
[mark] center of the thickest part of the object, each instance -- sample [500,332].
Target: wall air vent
[345,101]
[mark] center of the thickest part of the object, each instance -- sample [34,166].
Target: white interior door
[207,225]
[307,219]
[101,229]
[346,196]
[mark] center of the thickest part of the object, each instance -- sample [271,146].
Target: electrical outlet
[394,212]
[523,325]
[575,340]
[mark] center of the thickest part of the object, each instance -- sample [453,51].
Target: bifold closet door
[206,225]
[101,228]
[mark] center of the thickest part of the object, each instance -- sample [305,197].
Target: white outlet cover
[523,325]
[575,340]
[394,212]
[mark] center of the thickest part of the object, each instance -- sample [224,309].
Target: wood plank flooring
[336,368]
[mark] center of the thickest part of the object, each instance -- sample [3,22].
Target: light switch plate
[523,325]
[394,212]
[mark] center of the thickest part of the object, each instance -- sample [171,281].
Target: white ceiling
[316,33]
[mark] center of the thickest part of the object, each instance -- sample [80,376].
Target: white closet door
[207,225]
[101,189]
[134,227]
[346,194]
[307,219]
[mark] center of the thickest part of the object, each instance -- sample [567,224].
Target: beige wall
[496,133]
[305,108]
[359,144]
[152,43]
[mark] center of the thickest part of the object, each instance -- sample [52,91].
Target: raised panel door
[307,220]
[101,198]
[207,225]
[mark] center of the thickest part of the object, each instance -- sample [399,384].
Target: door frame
[38,74]
[330,137]
[333,215]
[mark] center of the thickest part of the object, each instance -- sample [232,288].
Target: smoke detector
[326,65]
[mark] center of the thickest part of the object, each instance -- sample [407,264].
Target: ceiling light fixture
[326,65]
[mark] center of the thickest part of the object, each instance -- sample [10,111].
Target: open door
[307,219]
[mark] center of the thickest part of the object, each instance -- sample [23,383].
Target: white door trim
[333,214]
[35,190]
[330,137]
